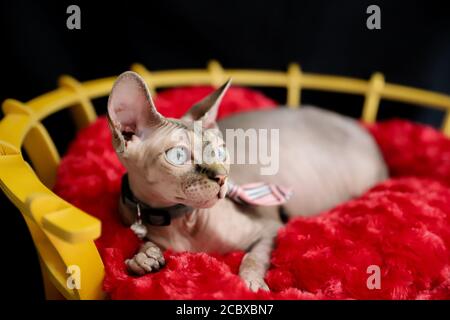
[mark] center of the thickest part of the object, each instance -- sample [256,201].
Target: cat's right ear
[206,110]
[131,110]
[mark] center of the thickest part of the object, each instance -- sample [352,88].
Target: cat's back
[307,127]
[326,157]
[308,119]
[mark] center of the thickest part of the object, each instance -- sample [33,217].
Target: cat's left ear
[206,109]
[131,110]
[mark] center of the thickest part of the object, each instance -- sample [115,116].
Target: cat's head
[169,161]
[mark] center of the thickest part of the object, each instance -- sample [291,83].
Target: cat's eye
[177,155]
[221,153]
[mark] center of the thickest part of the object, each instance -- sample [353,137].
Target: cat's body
[325,157]
[223,228]
[205,230]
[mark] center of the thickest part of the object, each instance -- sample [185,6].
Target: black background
[412,48]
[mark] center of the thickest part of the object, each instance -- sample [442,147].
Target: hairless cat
[176,200]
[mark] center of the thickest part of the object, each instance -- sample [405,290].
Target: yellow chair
[64,235]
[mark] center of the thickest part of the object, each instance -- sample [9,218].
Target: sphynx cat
[324,157]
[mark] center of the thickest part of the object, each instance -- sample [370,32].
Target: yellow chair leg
[51,293]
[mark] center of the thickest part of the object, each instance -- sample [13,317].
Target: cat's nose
[220,178]
[216,172]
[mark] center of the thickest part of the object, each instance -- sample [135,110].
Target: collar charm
[138,227]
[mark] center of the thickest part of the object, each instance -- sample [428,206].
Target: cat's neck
[147,195]
[152,199]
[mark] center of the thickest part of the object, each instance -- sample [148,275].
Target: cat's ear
[131,110]
[206,109]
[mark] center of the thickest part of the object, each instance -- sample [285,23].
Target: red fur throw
[401,225]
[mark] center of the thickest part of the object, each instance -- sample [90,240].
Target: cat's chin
[205,204]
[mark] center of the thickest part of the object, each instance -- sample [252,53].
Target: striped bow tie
[258,194]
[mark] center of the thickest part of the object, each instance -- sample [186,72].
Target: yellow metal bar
[415,96]
[80,251]
[71,224]
[99,87]
[82,112]
[294,85]
[61,98]
[57,255]
[52,102]
[19,183]
[16,107]
[15,125]
[372,101]
[13,129]
[61,242]
[51,291]
[334,83]
[52,264]
[446,124]
[18,180]
[216,73]
[43,154]
[35,138]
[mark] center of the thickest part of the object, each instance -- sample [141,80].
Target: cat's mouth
[209,203]
[204,193]
[212,201]
[223,191]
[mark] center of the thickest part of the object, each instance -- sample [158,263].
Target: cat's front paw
[256,283]
[150,258]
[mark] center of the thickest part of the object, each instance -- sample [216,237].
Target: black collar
[150,215]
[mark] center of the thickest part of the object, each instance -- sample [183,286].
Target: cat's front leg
[149,258]
[256,262]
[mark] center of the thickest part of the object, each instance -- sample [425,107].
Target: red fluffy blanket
[402,225]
